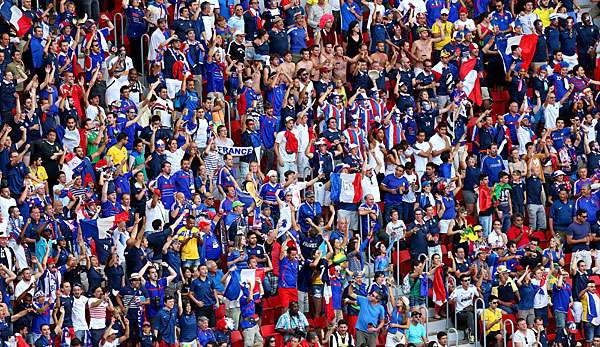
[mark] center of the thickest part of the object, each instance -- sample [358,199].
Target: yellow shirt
[490,315]
[448,29]
[118,155]
[189,250]
[544,15]
[40,174]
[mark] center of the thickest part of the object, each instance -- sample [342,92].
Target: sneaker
[471,339]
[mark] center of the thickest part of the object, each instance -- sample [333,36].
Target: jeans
[486,224]
[387,210]
[366,339]
[542,313]
[96,336]
[591,331]
[408,212]
[467,316]
[537,217]
[91,8]
[561,319]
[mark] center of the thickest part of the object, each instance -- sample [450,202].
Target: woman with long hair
[354,39]
[553,254]
[398,323]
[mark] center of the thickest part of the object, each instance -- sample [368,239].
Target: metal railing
[228,114]
[448,331]
[398,275]
[477,320]
[142,50]
[448,278]
[504,332]
[119,39]
[426,292]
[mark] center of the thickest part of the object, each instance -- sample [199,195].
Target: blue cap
[563,64]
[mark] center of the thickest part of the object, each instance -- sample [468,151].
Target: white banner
[235,151]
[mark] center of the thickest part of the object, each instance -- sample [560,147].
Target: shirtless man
[287,67]
[327,53]
[423,47]
[340,64]
[380,56]
[305,63]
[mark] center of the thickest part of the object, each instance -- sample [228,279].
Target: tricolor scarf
[330,111]
[393,134]
[593,306]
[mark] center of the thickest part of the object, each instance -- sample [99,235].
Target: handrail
[477,320]
[228,112]
[398,275]
[447,301]
[427,292]
[121,27]
[143,62]
[504,332]
[449,330]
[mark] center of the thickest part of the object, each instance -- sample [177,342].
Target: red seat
[568,260]
[268,317]
[268,330]
[236,339]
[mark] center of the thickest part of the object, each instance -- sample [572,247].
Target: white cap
[445,11]
[353,145]
[272,173]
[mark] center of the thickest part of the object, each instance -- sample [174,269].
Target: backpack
[291,143]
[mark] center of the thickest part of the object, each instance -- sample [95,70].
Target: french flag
[346,188]
[439,290]
[98,228]
[20,21]
[437,70]
[527,44]
[470,79]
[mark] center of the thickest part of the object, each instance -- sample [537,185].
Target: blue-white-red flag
[346,188]
[470,78]
[98,228]
[20,21]
[527,44]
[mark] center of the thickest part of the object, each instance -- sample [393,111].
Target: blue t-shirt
[368,314]
[578,232]
[393,182]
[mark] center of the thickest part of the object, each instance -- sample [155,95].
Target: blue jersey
[167,189]
[184,183]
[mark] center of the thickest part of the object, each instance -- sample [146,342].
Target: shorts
[316,290]
[288,295]
[322,195]
[416,302]
[350,216]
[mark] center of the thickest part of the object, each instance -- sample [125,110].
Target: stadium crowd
[299,173]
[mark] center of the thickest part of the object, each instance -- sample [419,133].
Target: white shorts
[351,217]
[322,196]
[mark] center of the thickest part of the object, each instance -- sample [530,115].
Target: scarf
[593,305]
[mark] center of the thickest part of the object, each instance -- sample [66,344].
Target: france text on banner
[235,151]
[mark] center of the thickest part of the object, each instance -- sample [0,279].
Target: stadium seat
[268,330]
[236,339]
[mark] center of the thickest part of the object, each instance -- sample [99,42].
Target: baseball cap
[445,11]
[236,203]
